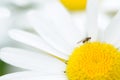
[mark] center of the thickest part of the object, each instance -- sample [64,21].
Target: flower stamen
[94,61]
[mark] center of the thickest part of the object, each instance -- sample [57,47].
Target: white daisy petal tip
[12,32]
[3,53]
[3,50]
[35,61]
[34,41]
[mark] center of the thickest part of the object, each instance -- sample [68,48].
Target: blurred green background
[2,68]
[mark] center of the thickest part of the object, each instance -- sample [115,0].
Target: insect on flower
[84,40]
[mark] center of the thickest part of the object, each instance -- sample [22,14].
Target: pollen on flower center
[74,4]
[94,61]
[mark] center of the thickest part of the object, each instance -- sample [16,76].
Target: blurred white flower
[4,24]
[110,5]
[56,39]
[19,9]
[23,2]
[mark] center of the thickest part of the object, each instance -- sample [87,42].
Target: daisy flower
[110,5]
[74,5]
[64,52]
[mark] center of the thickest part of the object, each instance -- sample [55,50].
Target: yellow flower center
[94,61]
[74,5]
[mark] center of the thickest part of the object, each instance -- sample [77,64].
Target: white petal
[103,23]
[112,33]
[31,60]
[63,22]
[34,41]
[32,75]
[101,35]
[110,5]
[45,28]
[92,18]
[57,22]
[117,44]
[79,19]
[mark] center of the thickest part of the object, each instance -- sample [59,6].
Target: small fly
[84,40]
